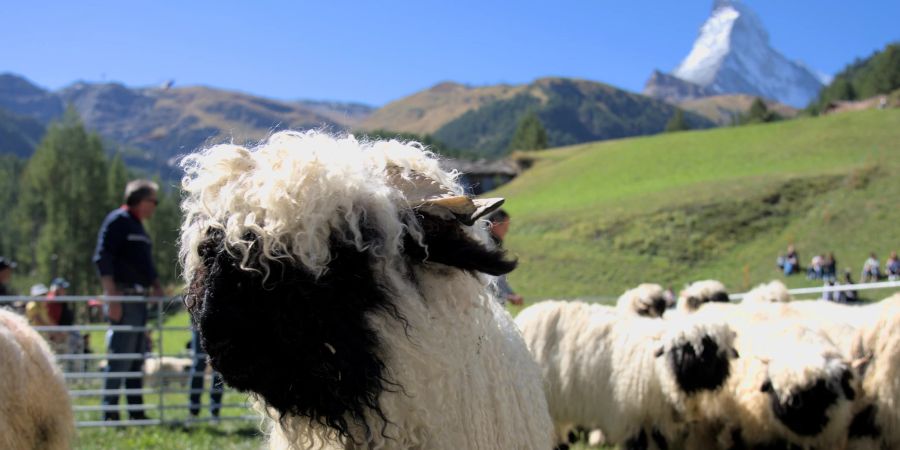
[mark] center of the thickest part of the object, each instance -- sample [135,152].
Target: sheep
[35,411]
[876,424]
[792,385]
[700,292]
[773,292]
[343,284]
[166,369]
[646,300]
[622,374]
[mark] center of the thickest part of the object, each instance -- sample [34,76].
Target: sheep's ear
[659,351]
[861,362]
[766,386]
[447,243]
[735,354]
[720,297]
[849,392]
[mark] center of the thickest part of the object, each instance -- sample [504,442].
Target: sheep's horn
[423,191]
[859,362]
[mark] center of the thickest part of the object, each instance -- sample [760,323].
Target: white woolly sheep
[342,284]
[167,369]
[624,375]
[792,385]
[773,292]
[35,412]
[876,424]
[646,300]
[700,292]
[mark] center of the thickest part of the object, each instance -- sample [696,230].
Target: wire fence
[166,388]
[166,383]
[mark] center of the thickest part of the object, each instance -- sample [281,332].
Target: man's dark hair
[498,216]
[138,190]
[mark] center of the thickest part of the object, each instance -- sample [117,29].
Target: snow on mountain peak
[733,55]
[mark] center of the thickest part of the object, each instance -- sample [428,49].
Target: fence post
[159,352]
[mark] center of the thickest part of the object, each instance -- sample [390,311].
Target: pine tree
[116,179]
[759,112]
[677,122]
[530,134]
[62,203]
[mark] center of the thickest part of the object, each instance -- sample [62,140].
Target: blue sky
[375,52]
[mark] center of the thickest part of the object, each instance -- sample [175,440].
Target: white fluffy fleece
[467,380]
[698,293]
[790,356]
[773,292]
[601,369]
[35,412]
[642,300]
[878,344]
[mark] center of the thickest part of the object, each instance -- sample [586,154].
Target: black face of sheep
[803,412]
[695,372]
[303,343]
[720,297]
[659,306]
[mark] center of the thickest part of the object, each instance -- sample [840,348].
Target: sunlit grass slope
[595,219]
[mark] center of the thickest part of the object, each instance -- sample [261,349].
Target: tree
[116,178]
[759,113]
[530,134]
[677,122]
[62,203]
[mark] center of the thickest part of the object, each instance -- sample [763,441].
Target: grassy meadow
[595,219]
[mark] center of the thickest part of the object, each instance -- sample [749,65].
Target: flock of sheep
[775,374]
[346,286]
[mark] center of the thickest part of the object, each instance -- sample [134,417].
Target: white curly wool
[35,412]
[773,292]
[465,377]
[645,300]
[605,370]
[698,293]
[788,355]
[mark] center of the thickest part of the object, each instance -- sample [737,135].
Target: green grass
[597,219]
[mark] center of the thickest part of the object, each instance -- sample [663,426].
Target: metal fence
[84,371]
[84,375]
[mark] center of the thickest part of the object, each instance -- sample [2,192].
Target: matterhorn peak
[733,55]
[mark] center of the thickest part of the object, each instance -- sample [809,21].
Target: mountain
[483,119]
[19,135]
[157,124]
[426,111]
[732,55]
[21,97]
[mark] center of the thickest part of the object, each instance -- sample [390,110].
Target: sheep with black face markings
[645,300]
[342,284]
[791,387]
[35,412]
[697,293]
[623,374]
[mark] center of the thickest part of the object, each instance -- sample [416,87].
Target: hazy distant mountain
[732,55]
[166,122]
[483,119]
[19,135]
[426,111]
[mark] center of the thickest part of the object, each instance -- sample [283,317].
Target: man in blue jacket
[124,260]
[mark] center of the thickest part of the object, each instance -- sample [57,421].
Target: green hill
[864,78]
[595,219]
[572,111]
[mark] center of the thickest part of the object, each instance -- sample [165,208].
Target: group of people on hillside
[824,267]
